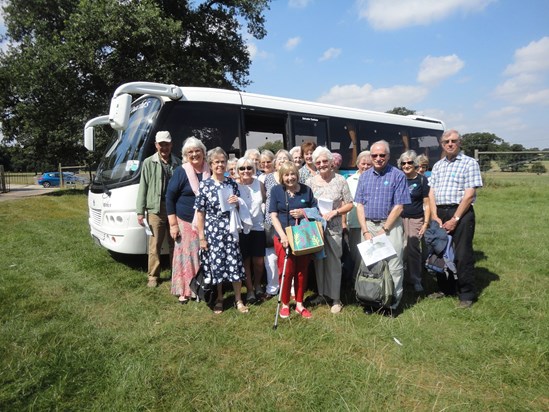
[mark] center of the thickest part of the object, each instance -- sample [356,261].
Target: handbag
[305,238]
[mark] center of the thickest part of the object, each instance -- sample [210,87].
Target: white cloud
[527,81]
[368,97]
[255,52]
[530,59]
[435,69]
[396,14]
[298,4]
[330,54]
[292,43]
[503,112]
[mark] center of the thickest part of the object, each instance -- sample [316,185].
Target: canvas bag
[374,285]
[305,238]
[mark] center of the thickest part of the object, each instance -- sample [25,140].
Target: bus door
[309,128]
[264,130]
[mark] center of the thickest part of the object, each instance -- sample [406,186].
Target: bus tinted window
[309,129]
[214,124]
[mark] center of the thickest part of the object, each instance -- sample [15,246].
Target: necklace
[292,193]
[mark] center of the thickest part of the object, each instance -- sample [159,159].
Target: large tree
[66,57]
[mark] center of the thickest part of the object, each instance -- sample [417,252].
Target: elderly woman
[297,158]
[271,180]
[287,201]
[180,197]
[350,220]
[255,156]
[220,253]
[252,245]
[334,199]
[231,169]
[308,170]
[266,164]
[423,165]
[415,217]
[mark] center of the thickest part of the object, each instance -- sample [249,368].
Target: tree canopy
[65,58]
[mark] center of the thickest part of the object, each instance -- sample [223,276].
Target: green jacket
[150,185]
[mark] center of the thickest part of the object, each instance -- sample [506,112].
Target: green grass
[80,331]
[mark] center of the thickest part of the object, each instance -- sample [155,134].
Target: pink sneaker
[285,313]
[304,313]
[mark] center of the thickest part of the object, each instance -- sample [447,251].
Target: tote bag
[305,238]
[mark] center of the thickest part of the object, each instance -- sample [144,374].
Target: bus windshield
[121,162]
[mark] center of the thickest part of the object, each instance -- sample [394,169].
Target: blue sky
[478,65]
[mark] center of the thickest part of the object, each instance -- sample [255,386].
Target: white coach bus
[235,121]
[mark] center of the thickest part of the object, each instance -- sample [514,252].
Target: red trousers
[296,269]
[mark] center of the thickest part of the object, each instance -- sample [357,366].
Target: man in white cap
[155,174]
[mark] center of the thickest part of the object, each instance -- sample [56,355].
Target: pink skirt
[185,262]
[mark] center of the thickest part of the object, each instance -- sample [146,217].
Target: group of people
[229,218]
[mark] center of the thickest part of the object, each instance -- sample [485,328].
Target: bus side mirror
[119,113]
[89,141]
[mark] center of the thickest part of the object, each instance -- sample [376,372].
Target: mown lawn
[80,331]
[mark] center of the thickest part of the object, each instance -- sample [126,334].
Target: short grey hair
[245,161]
[295,149]
[216,151]
[268,154]
[361,155]
[383,143]
[407,155]
[254,152]
[192,143]
[322,151]
[450,132]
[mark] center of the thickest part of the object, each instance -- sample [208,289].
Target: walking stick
[281,286]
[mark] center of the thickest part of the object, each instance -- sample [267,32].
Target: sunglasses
[454,141]
[407,163]
[245,168]
[382,155]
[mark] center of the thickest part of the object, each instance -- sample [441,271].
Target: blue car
[50,179]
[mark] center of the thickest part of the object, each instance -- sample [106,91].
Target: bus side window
[344,140]
[309,129]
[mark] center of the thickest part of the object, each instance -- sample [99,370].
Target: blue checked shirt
[449,179]
[380,192]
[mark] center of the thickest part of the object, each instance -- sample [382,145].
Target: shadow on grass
[68,192]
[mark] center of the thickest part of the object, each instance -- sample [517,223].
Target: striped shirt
[379,192]
[449,179]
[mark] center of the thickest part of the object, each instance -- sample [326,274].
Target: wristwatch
[456,218]
[385,229]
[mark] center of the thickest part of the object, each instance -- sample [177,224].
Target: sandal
[218,308]
[183,300]
[241,307]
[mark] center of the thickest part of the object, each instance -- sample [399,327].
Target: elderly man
[454,180]
[380,195]
[151,198]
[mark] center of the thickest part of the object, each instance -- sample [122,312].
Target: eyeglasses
[410,162]
[382,155]
[266,161]
[322,162]
[453,141]
[422,167]
[242,168]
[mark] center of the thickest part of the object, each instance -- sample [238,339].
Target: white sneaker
[338,307]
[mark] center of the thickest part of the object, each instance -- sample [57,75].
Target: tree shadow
[68,192]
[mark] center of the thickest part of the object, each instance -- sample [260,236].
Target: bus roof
[204,94]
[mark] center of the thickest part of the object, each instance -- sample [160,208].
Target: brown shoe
[153,282]
[436,295]
[465,304]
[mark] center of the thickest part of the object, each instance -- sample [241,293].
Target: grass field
[80,331]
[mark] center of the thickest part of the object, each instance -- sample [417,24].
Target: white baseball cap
[163,136]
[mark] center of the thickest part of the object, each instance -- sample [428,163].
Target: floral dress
[222,262]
